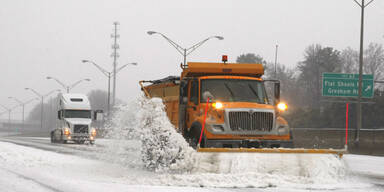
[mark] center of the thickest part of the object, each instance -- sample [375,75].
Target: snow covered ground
[144,153]
[29,169]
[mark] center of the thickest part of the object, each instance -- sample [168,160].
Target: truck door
[193,101]
[183,102]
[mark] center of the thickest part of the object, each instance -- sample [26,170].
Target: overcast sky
[42,38]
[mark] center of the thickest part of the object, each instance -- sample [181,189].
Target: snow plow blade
[338,152]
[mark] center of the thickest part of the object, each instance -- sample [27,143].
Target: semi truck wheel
[62,139]
[52,139]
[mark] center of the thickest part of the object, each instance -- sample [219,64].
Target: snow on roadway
[168,164]
[28,169]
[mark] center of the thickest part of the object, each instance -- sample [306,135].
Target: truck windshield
[77,114]
[235,90]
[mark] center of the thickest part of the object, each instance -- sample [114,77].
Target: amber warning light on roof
[224,58]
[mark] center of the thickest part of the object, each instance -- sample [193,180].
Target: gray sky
[42,38]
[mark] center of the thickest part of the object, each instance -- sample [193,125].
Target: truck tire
[195,136]
[62,139]
[52,139]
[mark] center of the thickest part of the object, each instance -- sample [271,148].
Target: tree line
[301,86]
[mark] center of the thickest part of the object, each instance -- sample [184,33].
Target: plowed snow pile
[143,137]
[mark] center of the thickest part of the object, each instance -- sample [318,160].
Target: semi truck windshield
[77,114]
[235,90]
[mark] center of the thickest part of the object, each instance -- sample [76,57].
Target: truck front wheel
[62,139]
[52,138]
[195,136]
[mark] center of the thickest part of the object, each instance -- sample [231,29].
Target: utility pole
[115,55]
[359,118]
[276,60]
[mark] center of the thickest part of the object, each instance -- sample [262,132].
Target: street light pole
[108,74]
[361,57]
[276,60]
[66,87]
[9,115]
[42,103]
[23,107]
[185,51]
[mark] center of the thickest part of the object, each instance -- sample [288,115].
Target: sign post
[347,85]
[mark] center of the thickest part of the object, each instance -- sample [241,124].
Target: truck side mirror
[277,92]
[98,115]
[59,114]
[183,92]
[207,95]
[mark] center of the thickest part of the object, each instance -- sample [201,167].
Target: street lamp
[66,87]
[108,74]
[23,106]
[185,51]
[42,102]
[9,114]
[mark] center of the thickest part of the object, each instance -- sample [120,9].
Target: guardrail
[371,140]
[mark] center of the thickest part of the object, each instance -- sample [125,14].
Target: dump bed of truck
[168,90]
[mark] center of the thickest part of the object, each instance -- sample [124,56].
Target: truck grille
[250,121]
[80,129]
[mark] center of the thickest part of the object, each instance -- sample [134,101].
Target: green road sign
[346,85]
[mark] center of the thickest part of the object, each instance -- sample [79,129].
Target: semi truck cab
[74,120]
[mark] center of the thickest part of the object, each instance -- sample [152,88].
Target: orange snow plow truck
[239,117]
[239,112]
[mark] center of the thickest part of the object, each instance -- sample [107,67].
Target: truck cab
[74,120]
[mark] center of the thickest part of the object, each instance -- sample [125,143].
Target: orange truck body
[235,118]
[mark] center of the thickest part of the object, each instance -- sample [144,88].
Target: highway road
[34,164]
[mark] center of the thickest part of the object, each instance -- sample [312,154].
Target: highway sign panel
[346,85]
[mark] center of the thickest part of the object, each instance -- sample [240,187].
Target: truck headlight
[93,132]
[217,105]
[282,106]
[282,129]
[67,131]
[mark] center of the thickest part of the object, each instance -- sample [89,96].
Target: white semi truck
[74,120]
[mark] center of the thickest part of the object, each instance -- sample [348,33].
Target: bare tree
[98,99]
[374,60]
[350,60]
[317,60]
[250,58]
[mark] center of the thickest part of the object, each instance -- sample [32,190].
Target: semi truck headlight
[93,132]
[282,106]
[217,105]
[67,131]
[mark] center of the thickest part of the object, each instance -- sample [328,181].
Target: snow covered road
[34,164]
